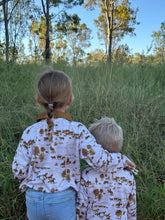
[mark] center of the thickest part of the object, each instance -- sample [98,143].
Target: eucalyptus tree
[74,36]
[19,27]
[37,38]
[46,6]
[15,18]
[116,19]
[7,15]
[78,41]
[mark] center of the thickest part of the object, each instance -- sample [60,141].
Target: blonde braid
[54,90]
[50,114]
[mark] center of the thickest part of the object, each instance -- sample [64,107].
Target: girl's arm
[97,157]
[22,157]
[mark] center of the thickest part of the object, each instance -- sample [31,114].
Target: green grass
[134,95]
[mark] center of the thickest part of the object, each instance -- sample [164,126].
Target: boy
[110,195]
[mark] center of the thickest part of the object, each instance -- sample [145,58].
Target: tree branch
[13,10]
[118,26]
[58,13]
[43,6]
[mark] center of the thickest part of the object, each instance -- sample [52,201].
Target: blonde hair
[54,90]
[108,133]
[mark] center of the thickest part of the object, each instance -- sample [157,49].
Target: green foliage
[141,59]
[121,54]
[73,37]
[132,94]
[96,58]
[116,19]
[159,42]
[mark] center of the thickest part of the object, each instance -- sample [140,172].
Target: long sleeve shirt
[51,166]
[106,196]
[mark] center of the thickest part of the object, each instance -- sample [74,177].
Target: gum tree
[73,36]
[7,14]
[15,17]
[46,6]
[116,19]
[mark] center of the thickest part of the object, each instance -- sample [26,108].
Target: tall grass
[134,95]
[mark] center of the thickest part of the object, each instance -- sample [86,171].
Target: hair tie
[50,105]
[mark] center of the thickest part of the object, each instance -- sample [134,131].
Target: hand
[130,166]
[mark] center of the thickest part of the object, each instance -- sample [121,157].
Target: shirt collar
[57,114]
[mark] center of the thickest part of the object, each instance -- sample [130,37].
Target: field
[133,94]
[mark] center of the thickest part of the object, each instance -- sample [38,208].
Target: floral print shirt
[107,195]
[51,166]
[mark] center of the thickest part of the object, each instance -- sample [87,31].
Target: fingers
[131,167]
[135,171]
[130,164]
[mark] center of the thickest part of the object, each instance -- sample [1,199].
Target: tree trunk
[109,17]
[47,44]
[5,12]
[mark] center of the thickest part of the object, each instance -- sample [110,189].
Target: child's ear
[38,101]
[70,101]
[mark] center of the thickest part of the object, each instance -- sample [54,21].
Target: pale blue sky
[151,14]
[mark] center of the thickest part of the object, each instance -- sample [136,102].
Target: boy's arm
[82,201]
[131,207]
[22,158]
[97,157]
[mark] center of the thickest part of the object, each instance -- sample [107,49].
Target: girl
[47,160]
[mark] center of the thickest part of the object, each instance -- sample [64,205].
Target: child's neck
[66,106]
[63,109]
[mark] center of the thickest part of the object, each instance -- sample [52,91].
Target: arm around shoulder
[96,156]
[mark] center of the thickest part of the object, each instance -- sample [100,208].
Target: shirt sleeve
[96,156]
[22,157]
[131,207]
[82,201]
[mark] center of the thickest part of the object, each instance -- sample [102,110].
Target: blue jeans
[51,206]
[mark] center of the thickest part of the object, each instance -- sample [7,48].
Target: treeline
[45,30]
